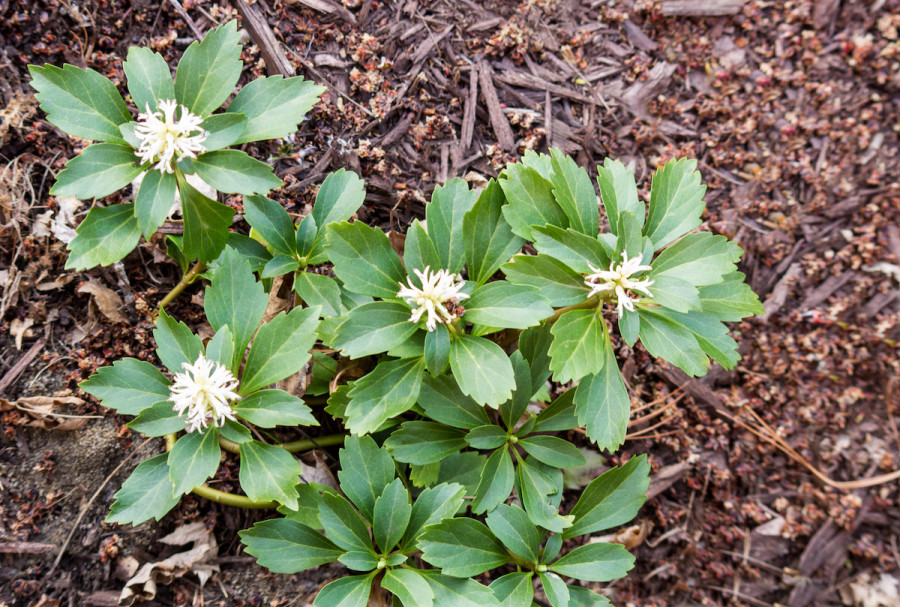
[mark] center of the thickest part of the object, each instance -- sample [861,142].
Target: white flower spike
[618,279]
[164,140]
[204,391]
[438,288]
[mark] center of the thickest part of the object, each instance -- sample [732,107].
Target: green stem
[185,281]
[293,446]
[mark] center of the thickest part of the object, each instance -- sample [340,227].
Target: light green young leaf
[105,236]
[507,305]
[619,192]
[676,202]
[409,586]
[224,130]
[154,200]
[128,386]
[339,198]
[443,401]
[482,370]
[511,526]
[432,506]
[206,224]
[578,345]
[235,172]
[209,70]
[281,348]
[574,193]
[149,78]
[700,259]
[496,482]
[146,494]
[457,592]
[389,390]
[462,547]
[576,250]
[557,281]
[392,515]
[364,260]
[611,499]
[552,450]
[359,561]
[488,238]
[423,443]
[98,171]
[274,106]
[374,327]
[269,473]
[80,102]
[514,589]
[272,222]
[365,471]
[351,591]
[598,562]
[730,300]
[278,266]
[419,252]
[176,344]
[444,216]
[602,404]
[285,546]
[270,408]
[530,200]
[671,341]
[319,290]
[343,525]
[193,459]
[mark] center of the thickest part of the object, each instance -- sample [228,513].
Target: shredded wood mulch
[760,493]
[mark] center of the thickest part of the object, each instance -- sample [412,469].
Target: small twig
[889,407]
[187,19]
[185,281]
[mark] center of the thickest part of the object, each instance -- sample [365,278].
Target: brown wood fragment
[637,36]
[636,96]
[10,376]
[329,8]
[26,548]
[548,117]
[468,123]
[399,130]
[824,12]
[499,122]
[780,291]
[103,598]
[826,289]
[701,8]
[535,83]
[255,22]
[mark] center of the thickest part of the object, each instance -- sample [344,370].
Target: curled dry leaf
[108,302]
[39,412]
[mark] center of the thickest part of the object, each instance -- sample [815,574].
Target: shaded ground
[791,109]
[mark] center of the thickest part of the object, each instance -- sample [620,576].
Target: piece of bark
[824,12]
[26,548]
[468,123]
[636,96]
[780,292]
[826,289]
[396,133]
[637,36]
[255,22]
[329,8]
[535,83]
[666,477]
[701,8]
[13,373]
[499,122]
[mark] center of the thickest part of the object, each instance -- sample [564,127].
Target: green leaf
[306,240]
[176,344]
[339,198]
[574,193]
[603,406]
[281,348]
[619,192]
[224,130]
[540,490]
[98,171]
[206,223]
[630,327]
[146,494]
[274,106]
[285,546]
[351,591]
[464,468]
[444,216]
[389,390]
[675,294]
[251,250]
[80,102]
[235,432]
[272,222]
[582,597]
[193,459]
[437,350]
[611,499]
[560,415]
[511,526]
[279,265]
[456,592]
[269,473]
[443,401]
[730,300]
[149,78]
[235,172]
[154,200]
[482,370]
[392,515]
[628,237]
[557,281]
[235,299]
[579,337]
[514,589]
[488,238]
[534,344]
[462,547]
[573,248]
[530,200]
[551,547]
[598,562]
[270,408]
[359,561]
[128,386]
[157,420]
[324,368]
[319,290]
[496,482]
[676,202]
[423,443]
[553,451]
[365,471]
[432,506]
[343,525]
[556,590]
[209,70]
[486,437]
[106,235]
[671,341]
[409,586]
[307,512]
[507,305]
[711,335]
[700,259]
[419,252]
[364,260]
[512,410]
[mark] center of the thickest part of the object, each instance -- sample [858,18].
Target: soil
[791,109]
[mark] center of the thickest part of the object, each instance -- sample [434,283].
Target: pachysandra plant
[176,133]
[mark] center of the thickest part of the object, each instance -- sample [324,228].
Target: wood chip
[535,83]
[26,548]
[255,22]
[499,122]
[701,8]
[637,36]
[329,8]
[826,290]
[468,123]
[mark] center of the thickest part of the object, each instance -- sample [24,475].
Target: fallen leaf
[108,302]
[20,329]
[39,412]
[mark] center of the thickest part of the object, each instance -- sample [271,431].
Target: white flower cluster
[163,139]
[204,392]
[438,289]
[618,279]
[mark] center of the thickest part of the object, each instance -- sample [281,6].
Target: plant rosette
[209,401]
[176,133]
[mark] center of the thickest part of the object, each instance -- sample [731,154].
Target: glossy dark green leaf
[154,200]
[270,408]
[106,235]
[98,171]
[611,499]
[272,222]
[274,106]
[423,443]
[281,348]
[285,546]
[489,240]
[392,514]
[209,70]
[596,562]
[496,482]
[269,473]
[559,283]
[462,547]
[389,390]
[432,506]
[128,386]
[235,172]
[443,401]
[552,450]
[579,337]
[343,525]
[482,370]
[511,526]
[206,224]
[176,344]
[574,193]
[146,494]
[365,471]
[507,305]
[193,459]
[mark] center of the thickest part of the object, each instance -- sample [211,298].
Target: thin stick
[187,19]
